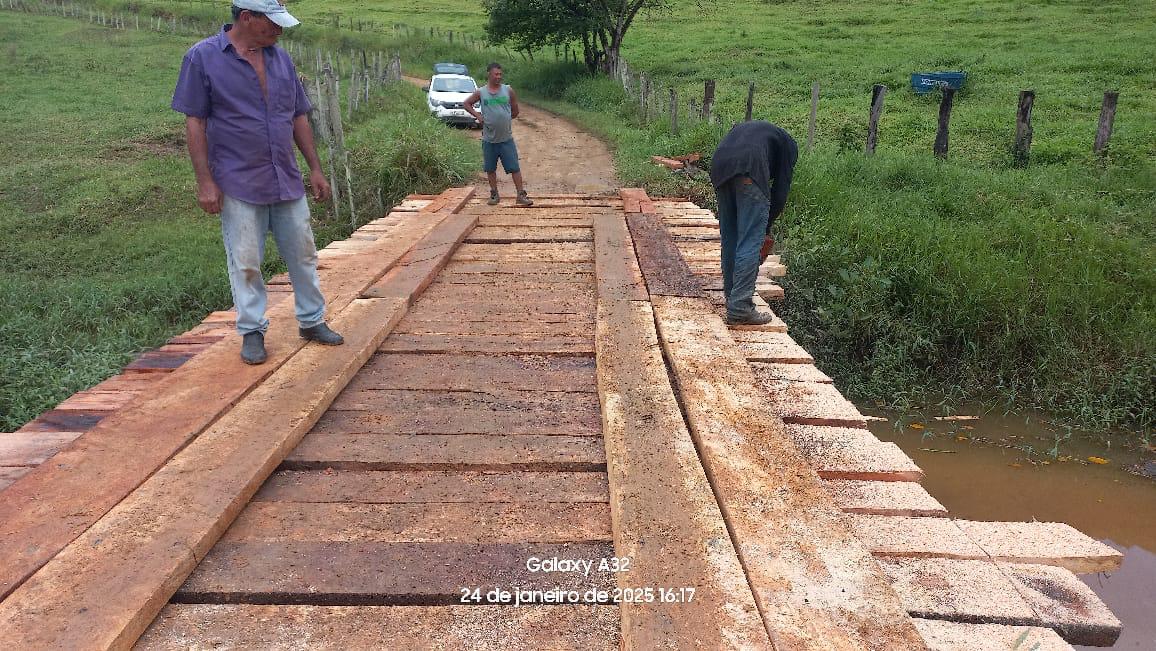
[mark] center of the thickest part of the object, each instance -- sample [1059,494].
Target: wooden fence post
[1107,119]
[814,114]
[673,111]
[644,100]
[877,94]
[321,104]
[944,120]
[707,99]
[1023,142]
[750,101]
[334,87]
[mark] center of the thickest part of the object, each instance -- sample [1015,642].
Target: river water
[1010,468]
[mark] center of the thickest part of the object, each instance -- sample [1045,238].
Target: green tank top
[496,114]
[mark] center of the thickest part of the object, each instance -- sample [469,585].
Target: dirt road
[556,156]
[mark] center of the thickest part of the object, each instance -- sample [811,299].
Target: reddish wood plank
[524,344]
[32,448]
[452,372]
[377,487]
[473,452]
[473,523]
[452,628]
[373,573]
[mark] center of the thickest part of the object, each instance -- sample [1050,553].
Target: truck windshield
[450,85]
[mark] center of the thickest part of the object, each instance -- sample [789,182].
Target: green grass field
[913,281]
[104,252]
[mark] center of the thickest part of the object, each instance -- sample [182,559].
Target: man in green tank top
[499,107]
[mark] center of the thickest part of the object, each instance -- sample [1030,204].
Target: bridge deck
[538,407]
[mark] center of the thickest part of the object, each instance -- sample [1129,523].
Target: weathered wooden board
[883,497]
[956,636]
[32,448]
[665,270]
[498,451]
[1042,543]
[811,403]
[475,523]
[379,574]
[452,628]
[513,344]
[816,585]
[374,487]
[852,453]
[664,514]
[458,372]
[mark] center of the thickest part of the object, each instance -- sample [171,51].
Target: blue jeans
[743,212]
[506,151]
[243,227]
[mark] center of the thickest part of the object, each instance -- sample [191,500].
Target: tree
[599,25]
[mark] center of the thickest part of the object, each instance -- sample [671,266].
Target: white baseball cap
[271,8]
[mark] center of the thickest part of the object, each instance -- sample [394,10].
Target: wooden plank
[453,628]
[522,269]
[63,420]
[384,574]
[956,636]
[883,497]
[383,523]
[817,587]
[453,372]
[507,234]
[852,453]
[557,252]
[811,403]
[907,537]
[1042,543]
[663,266]
[472,452]
[776,347]
[664,515]
[561,293]
[32,448]
[476,412]
[618,277]
[414,272]
[99,469]
[92,400]
[1064,603]
[374,487]
[479,280]
[514,344]
[770,371]
[980,591]
[9,474]
[560,328]
[524,221]
[972,591]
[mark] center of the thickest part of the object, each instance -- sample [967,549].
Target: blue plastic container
[925,82]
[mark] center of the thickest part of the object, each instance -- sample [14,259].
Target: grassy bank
[105,253]
[916,281]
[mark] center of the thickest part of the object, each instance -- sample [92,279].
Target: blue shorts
[506,151]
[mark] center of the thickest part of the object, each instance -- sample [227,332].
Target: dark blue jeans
[743,211]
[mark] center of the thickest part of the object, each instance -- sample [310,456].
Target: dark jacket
[764,152]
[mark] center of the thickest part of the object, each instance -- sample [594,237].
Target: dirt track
[556,156]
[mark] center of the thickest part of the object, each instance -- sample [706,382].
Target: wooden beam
[817,587]
[664,516]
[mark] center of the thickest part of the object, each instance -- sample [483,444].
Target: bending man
[751,173]
[245,109]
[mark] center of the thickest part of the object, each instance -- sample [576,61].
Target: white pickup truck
[446,94]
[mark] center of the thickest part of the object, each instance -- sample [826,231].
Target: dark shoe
[322,334]
[493,198]
[253,348]
[524,200]
[755,317]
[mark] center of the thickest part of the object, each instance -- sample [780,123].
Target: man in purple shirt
[245,108]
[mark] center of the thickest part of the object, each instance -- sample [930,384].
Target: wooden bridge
[540,434]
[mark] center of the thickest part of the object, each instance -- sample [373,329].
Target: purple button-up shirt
[250,138]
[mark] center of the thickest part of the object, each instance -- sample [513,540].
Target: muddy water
[1004,468]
